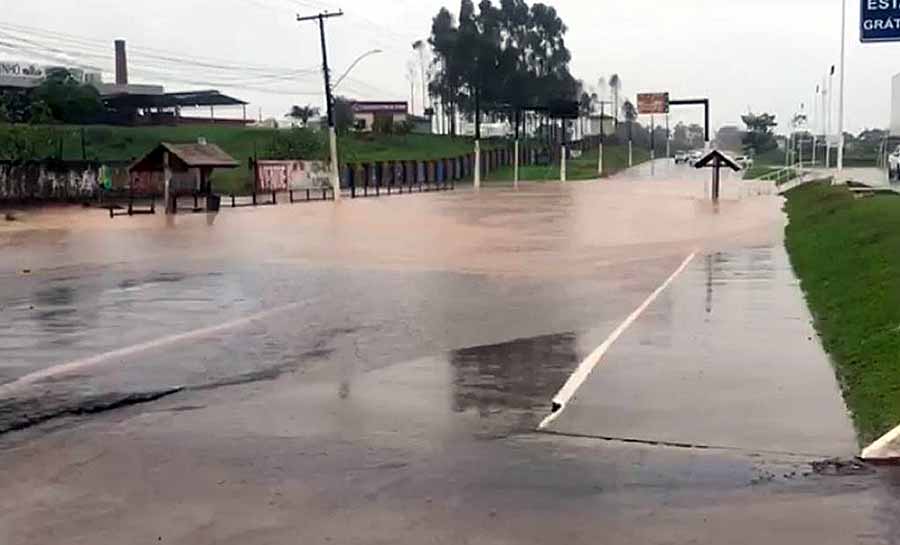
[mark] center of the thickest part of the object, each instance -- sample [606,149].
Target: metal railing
[782,175]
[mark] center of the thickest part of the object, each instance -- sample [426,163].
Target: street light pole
[353,65]
[329,101]
[840,159]
[813,125]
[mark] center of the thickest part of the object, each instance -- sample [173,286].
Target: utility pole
[477,170]
[600,147]
[516,152]
[329,100]
[840,151]
[603,104]
[652,145]
[828,119]
[668,139]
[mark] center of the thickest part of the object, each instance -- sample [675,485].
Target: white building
[601,124]
[367,113]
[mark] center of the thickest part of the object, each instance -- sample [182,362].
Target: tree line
[499,60]
[60,98]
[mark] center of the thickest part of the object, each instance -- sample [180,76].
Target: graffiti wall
[56,181]
[286,175]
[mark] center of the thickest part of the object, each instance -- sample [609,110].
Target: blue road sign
[879,21]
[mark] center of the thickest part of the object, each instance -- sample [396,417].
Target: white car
[681,157]
[695,157]
[746,162]
[894,164]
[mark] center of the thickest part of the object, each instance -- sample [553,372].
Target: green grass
[846,252]
[773,157]
[106,143]
[615,159]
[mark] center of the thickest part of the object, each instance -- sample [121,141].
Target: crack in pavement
[38,411]
[17,414]
[680,445]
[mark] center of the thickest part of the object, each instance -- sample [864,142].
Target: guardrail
[782,175]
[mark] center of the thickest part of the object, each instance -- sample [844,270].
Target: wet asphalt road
[374,373]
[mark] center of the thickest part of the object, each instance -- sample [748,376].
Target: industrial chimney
[121,63]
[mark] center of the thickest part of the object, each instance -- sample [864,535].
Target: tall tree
[67,100]
[585,108]
[411,71]
[420,47]
[343,114]
[615,87]
[760,137]
[500,59]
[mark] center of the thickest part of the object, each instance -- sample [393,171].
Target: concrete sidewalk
[726,357]
[872,177]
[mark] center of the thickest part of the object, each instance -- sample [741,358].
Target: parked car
[695,157]
[745,161]
[681,157]
[894,164]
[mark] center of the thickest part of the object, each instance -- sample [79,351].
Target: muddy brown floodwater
[374,371]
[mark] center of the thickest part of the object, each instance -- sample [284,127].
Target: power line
[156,67]
[159,54]
[170,76]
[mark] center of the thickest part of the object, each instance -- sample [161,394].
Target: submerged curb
[886,449]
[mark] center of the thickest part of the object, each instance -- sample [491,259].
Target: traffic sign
[879,21]
[654,103]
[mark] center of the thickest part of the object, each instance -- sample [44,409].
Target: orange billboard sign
[653,103]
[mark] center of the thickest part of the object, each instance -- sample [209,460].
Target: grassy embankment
[127,143]
[846,252]
[615,159]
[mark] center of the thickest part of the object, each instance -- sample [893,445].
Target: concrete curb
[886,449]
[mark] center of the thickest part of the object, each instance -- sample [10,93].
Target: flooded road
[374,371]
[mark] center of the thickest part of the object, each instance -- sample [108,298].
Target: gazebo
[181,169]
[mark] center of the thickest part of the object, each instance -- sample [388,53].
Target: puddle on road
[513,382]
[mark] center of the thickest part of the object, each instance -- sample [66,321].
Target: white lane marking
[93,361]
[876,451]
[581,373]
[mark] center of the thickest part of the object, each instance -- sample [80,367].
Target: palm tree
[303,113]
[629,112]
[615,86]
[585,108]
[411,78]
[419,46]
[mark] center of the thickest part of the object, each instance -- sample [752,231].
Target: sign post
[600,159]
[716,159]
[652,104]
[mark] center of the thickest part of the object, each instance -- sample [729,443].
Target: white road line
[562,398]
[92,361]
[877,450]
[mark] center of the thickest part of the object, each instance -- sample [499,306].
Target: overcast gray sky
[765,55]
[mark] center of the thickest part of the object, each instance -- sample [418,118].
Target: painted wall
[285,175]
[53,181]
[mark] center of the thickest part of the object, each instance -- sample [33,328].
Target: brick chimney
[121,63]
